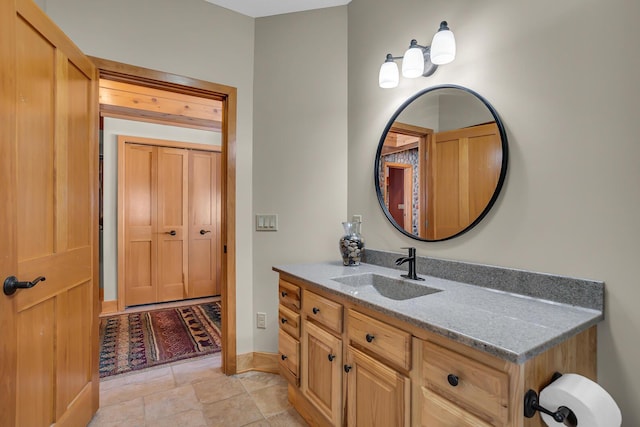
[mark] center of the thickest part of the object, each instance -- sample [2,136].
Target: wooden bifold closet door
[204,223]
[171,216]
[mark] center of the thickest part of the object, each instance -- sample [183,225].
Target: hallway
[194,393]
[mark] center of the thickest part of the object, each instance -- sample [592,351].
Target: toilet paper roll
[591,404]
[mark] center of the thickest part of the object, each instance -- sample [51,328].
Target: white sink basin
[389,287]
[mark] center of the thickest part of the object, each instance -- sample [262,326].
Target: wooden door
[48,180]
[377,395]
[321,375]
[172,230]
[204,223]
[464,167]
[138,212]
[399,193]
[154,213]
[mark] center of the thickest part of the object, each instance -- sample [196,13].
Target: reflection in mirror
[440,163]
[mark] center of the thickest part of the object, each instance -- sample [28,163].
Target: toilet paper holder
[562,415]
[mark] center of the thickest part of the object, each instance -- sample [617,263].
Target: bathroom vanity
[362,346]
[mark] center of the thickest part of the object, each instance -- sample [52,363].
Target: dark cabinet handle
[453,379]
[331,357]
[283,320]
[283,293]
[11,284]
[203,232]
[316,310]
[283,357]
[172,232]
[347,368]
[369,337]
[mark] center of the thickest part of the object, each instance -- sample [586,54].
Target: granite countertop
[511,326]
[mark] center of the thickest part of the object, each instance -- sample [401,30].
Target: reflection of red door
[396,194]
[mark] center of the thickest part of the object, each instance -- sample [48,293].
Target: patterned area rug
[140,340]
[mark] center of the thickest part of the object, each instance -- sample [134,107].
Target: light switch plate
[261,320]
[266,222]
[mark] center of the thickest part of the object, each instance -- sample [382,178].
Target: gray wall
[299,147]
[564,78]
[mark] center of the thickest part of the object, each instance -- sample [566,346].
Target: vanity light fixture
[419,60]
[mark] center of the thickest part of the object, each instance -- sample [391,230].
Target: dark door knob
[331,357]
[316,310]
[347,368]
[172,232]
[369,337]
[203,232]
[11,284]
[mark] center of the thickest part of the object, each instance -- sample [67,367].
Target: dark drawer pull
[331,357]
[283,320]
[283,357]
[453,379]
[284,294]
[316,310]
[369,337]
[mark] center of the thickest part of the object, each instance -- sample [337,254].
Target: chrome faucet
[411,259]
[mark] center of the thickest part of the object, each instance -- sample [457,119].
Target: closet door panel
[172,223]
[204,224]
[485,163]
[140,217]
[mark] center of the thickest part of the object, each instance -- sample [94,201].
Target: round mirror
[441,162]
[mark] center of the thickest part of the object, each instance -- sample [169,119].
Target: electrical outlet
[261,320]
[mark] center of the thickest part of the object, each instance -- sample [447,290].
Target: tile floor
[195,393]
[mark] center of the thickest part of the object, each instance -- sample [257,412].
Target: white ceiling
[258,8]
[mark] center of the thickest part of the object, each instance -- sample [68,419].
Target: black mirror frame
[503,170]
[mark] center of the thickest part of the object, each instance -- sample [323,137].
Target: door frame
[112,70]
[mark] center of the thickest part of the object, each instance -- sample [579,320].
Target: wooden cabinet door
[377,395]
[440,412]
[321,375]
[172,228]
[204,223]
[48,180]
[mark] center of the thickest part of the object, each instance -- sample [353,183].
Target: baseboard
[109,307]
[257,361]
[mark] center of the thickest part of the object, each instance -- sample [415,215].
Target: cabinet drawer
[289,357]
[289,294]
[478,388]
[289,321]
[322,310]
[440,412]
[388,342]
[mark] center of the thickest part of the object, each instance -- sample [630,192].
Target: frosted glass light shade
[389,75]
[413,63]
[443,47]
